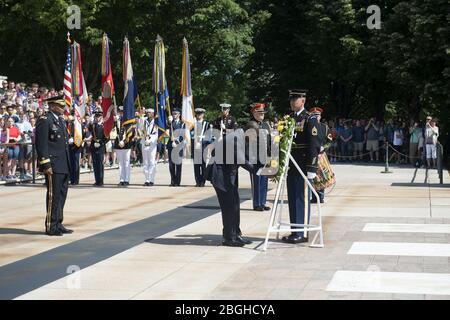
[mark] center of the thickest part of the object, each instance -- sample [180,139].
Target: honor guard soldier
[259,183]
[97,148]
[200,141]
[149,142]
[122,146]
[52,148]
[325,141]
[226,121]
[74,152]
[176,141]
[305,151]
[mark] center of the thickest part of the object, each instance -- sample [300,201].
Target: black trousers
[175,169]
[230,205]
[99,169]
[74,158]
[57,186]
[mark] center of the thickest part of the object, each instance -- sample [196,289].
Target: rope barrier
[361,155]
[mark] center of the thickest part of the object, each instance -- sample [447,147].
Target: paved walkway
[387,236]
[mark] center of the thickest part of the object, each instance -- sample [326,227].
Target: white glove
[174,144]
[222,126]
[71,141]
[170,118]
[97,145]
[147,142]
[322,149]
[311,175]
[259,172]
[121,144]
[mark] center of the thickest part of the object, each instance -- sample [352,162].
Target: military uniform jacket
[201,134]
[98,136]
[71,130]
[120,137]
[253,124]
[52,145]
[229,122]
[174,126]
[307,143]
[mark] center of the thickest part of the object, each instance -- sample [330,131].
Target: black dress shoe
[243,240]
[147,184]
[121,184]
[266,208]
[54,233]
[126,183]
[151,184]
[294,239]
[232,243]
[63,230]
[259,209]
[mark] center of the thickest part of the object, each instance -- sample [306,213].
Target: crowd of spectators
[358,140]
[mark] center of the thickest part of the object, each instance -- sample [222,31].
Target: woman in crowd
[3,150]
[13,136]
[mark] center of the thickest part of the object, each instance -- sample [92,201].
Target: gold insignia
[314,131]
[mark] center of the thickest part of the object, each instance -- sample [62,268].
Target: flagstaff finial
[68,36]
[184,40]
[158,38]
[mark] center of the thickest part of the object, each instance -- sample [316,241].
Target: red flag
[107,89]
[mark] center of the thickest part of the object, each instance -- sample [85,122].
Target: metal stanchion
[386,167]
[440,165]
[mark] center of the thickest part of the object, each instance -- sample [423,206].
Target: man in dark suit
[98,148]
[305,152]
[176,141]
[53,155]
[223,174]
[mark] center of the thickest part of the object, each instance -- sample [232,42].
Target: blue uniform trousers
[74,158]
[299,197]
[259,185]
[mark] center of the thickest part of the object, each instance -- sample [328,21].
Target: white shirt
[298,112]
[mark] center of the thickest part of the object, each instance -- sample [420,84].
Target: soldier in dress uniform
[200,140]
[226,122]
[176,140]
[305,152]
[97,148]
[122,146]
[325,139]
[149,140]
[259,183]
[52,146]
[74,152]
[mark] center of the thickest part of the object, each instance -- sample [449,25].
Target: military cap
[149,110]
[98,113]
[120,108]
[316,110]
[225,105]
[58,100]
[259,108]
[199,110]
[176,110]
[297,93]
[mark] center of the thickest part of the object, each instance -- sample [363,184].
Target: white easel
[281,226]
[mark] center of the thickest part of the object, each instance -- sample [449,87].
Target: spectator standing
[358,140]
[414,136]
[431,139]
[3,149]
[13,136]
[372,134]
[398,143]
[346,136]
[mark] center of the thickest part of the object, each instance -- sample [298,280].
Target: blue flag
[162,106]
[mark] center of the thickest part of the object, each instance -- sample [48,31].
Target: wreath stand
[278,205]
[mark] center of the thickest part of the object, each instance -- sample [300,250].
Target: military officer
[176,143]
[325,140]
[305,152]
[98,148]
[52,148]
[200,140]
[259,183]
[149,141]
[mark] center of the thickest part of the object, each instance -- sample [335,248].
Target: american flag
[68,80]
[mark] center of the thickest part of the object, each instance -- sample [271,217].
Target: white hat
[225,105]
[150,110]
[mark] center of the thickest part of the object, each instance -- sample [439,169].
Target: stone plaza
[387,236]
